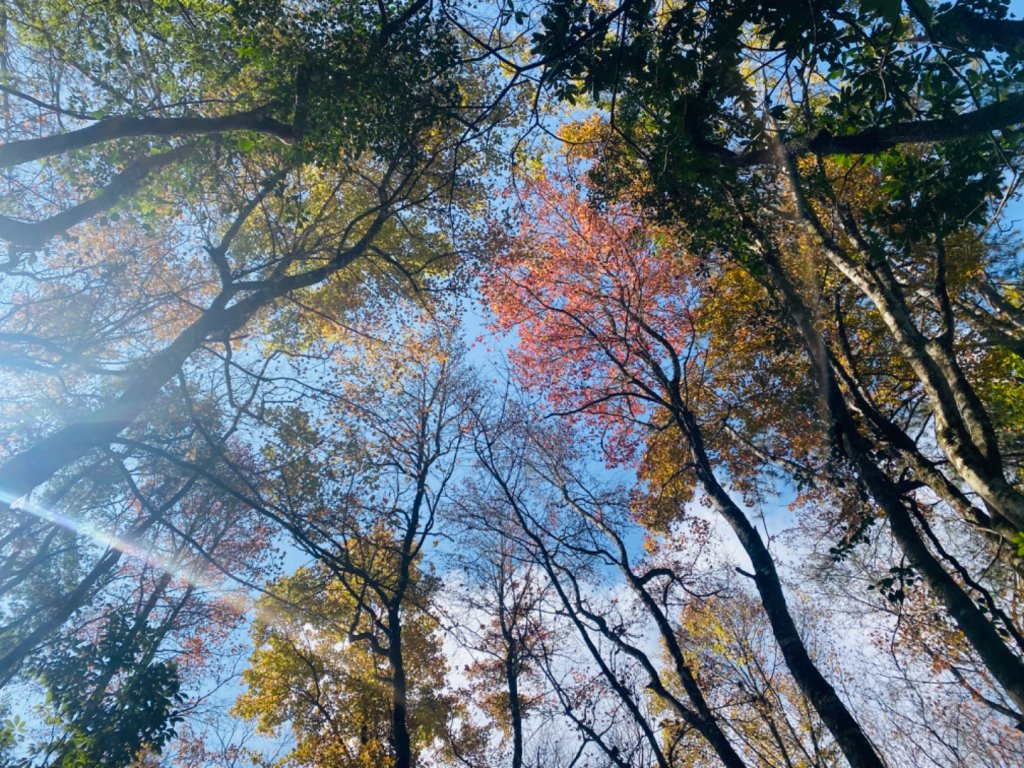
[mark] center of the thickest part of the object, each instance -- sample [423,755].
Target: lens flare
[275,612]
[231,597]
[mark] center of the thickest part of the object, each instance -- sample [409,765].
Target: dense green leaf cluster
[100,729]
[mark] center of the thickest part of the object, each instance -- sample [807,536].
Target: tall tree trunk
[856,747]
[515,710]
[546,561]
[61,612]
[399,692]
[1005,666]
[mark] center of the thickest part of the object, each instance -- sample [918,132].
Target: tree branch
[124,126]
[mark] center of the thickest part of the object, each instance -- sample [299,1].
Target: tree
[134,511]
[743,672]
[503,622]
[862,203]
[157,617]
[719,104]
[399,419]
[597,702]
[866,80]
[629,358]
[771,268]
[176,184]
[141,715]
[319,668]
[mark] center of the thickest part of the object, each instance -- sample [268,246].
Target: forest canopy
[544,384]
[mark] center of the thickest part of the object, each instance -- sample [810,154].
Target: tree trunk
[962,428]
[1002,663]
[852,740]
[399,693]
[68,604]
[515,711]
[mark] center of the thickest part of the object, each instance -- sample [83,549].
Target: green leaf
[887,9]
[1019,541]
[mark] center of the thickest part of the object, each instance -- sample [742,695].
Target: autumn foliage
[736,480]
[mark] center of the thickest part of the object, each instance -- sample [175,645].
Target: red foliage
[601,303]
